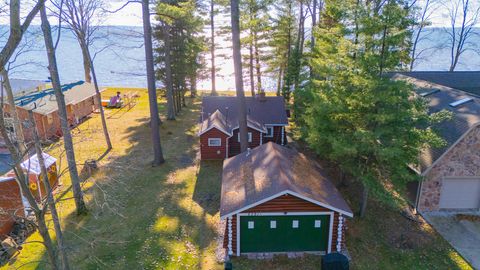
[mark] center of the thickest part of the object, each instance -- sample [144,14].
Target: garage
[284,233]
[276,200]
[460,193]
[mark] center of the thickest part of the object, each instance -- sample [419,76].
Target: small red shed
[32,168]
[276,200]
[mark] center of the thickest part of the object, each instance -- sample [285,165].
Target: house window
[295,224]
[214,142]
[269,133]
[318,223]
[251,225]
[273,224]
[249,137]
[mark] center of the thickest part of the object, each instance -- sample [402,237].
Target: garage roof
[271,170]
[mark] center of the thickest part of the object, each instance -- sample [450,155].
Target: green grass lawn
[166,217]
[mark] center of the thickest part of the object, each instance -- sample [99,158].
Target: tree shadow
[208,186]
[143,216]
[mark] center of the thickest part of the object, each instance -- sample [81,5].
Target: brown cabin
[219,132]
[79,99]
[275,200]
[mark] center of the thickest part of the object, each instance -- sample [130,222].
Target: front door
[285,233]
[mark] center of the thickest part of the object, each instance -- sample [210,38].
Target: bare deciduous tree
[464,16]
[424,9]
[81,17]
[62,112]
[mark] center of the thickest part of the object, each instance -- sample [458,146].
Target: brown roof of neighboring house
[260,112]
[271,170]
[464,116]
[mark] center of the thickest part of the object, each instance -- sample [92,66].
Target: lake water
[121,60]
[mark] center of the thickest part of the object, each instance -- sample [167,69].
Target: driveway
[463,235]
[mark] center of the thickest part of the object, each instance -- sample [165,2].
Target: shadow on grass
[144,217]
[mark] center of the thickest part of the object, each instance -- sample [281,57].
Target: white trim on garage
[295,194]
[330,230]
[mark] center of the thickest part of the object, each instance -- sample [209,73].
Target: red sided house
[12,202]
[275,200]
[79,99]
[219,136]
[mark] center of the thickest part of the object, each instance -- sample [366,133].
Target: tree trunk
[312,38]
[152,90]
[193,86]
[212,45]
[257,63]
[363,205]
[13,111]
[50,199]
[279,81]
[237,63]
[47,240]
[250,68]
[62,111]
[168,74]
[299,48]
[87,61]
[98,97]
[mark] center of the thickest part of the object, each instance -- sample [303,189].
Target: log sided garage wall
[461,161]
[291,205]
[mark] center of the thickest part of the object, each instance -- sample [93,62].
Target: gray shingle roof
[260,112]
[46,102]
[271,170]
[468,81]
[464,116]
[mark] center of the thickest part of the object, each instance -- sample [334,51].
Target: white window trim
[318,224]
[250,137]
[295,224]
[266,134]
[212,139]
[273,224]
[251,225]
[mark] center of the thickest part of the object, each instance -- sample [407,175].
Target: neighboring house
[219,133]
[79,99]
[275,199]
[451,174]
[12,202]
[19,87]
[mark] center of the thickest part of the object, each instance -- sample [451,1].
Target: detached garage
[275,200]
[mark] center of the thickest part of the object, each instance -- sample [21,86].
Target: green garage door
[284,233]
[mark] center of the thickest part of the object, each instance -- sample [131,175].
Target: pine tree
[371,126]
